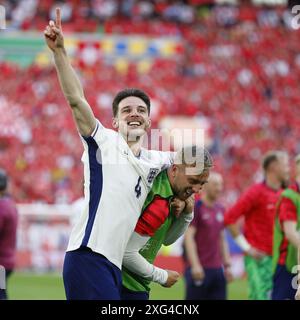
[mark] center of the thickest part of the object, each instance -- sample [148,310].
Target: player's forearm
[225,251]
[72,89]
[294,238]
[238,237]
[138,265]
[178,228]
[234,230]
[191,251]
[68,79]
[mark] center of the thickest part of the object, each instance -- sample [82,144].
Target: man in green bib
[159,225]
[286,241]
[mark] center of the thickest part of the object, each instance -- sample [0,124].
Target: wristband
[242,243]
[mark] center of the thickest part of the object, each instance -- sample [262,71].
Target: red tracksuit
[257,205]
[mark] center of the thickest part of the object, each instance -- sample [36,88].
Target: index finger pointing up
[58,19]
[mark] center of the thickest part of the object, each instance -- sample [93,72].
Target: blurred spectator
[66,10]
[105,9]
[24,11]
[234,76]
[8,233]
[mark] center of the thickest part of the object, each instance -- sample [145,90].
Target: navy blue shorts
[127,294]
[90,276]
[213,286]
[282,284]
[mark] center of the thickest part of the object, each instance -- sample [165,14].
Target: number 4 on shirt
[138,188]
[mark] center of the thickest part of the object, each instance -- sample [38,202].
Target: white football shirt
[115,188]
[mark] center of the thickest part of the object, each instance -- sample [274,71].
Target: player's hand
[255,253]
[228,273]
[198,273]
[173,277]
[53,33]
[177,206]
[189,204]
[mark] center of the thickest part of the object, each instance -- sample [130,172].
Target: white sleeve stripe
[95,130]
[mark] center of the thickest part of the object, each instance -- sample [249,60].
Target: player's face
[132,119]
[214,187]
[283,170]
[186,185]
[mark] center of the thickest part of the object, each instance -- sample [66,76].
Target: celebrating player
[114,165]
[157,225]
[257,205]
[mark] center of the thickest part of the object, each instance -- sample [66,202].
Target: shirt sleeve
[136,263]
[287,210]
[197,215]
[178,228]
[101,135]
[2,218]
[166,159]
[242,207]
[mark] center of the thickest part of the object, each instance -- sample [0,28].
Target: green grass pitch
[30,286]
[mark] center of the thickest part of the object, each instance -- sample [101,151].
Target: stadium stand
[237,66]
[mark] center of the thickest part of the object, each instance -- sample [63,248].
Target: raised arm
[69,82]
[226,256]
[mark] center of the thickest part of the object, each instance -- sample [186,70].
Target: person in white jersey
[118,175]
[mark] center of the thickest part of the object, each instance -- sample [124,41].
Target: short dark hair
[129,92]
[270,157]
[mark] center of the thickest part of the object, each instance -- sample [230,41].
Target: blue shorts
[88,275]
[282,284]
[213,286]
[127,294]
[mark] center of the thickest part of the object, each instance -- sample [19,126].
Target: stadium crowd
[238,66]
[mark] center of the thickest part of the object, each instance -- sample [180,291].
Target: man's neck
[135,146]
[208,201]
[273,183]
[170,177]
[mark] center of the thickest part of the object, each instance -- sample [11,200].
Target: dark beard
[285,184]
